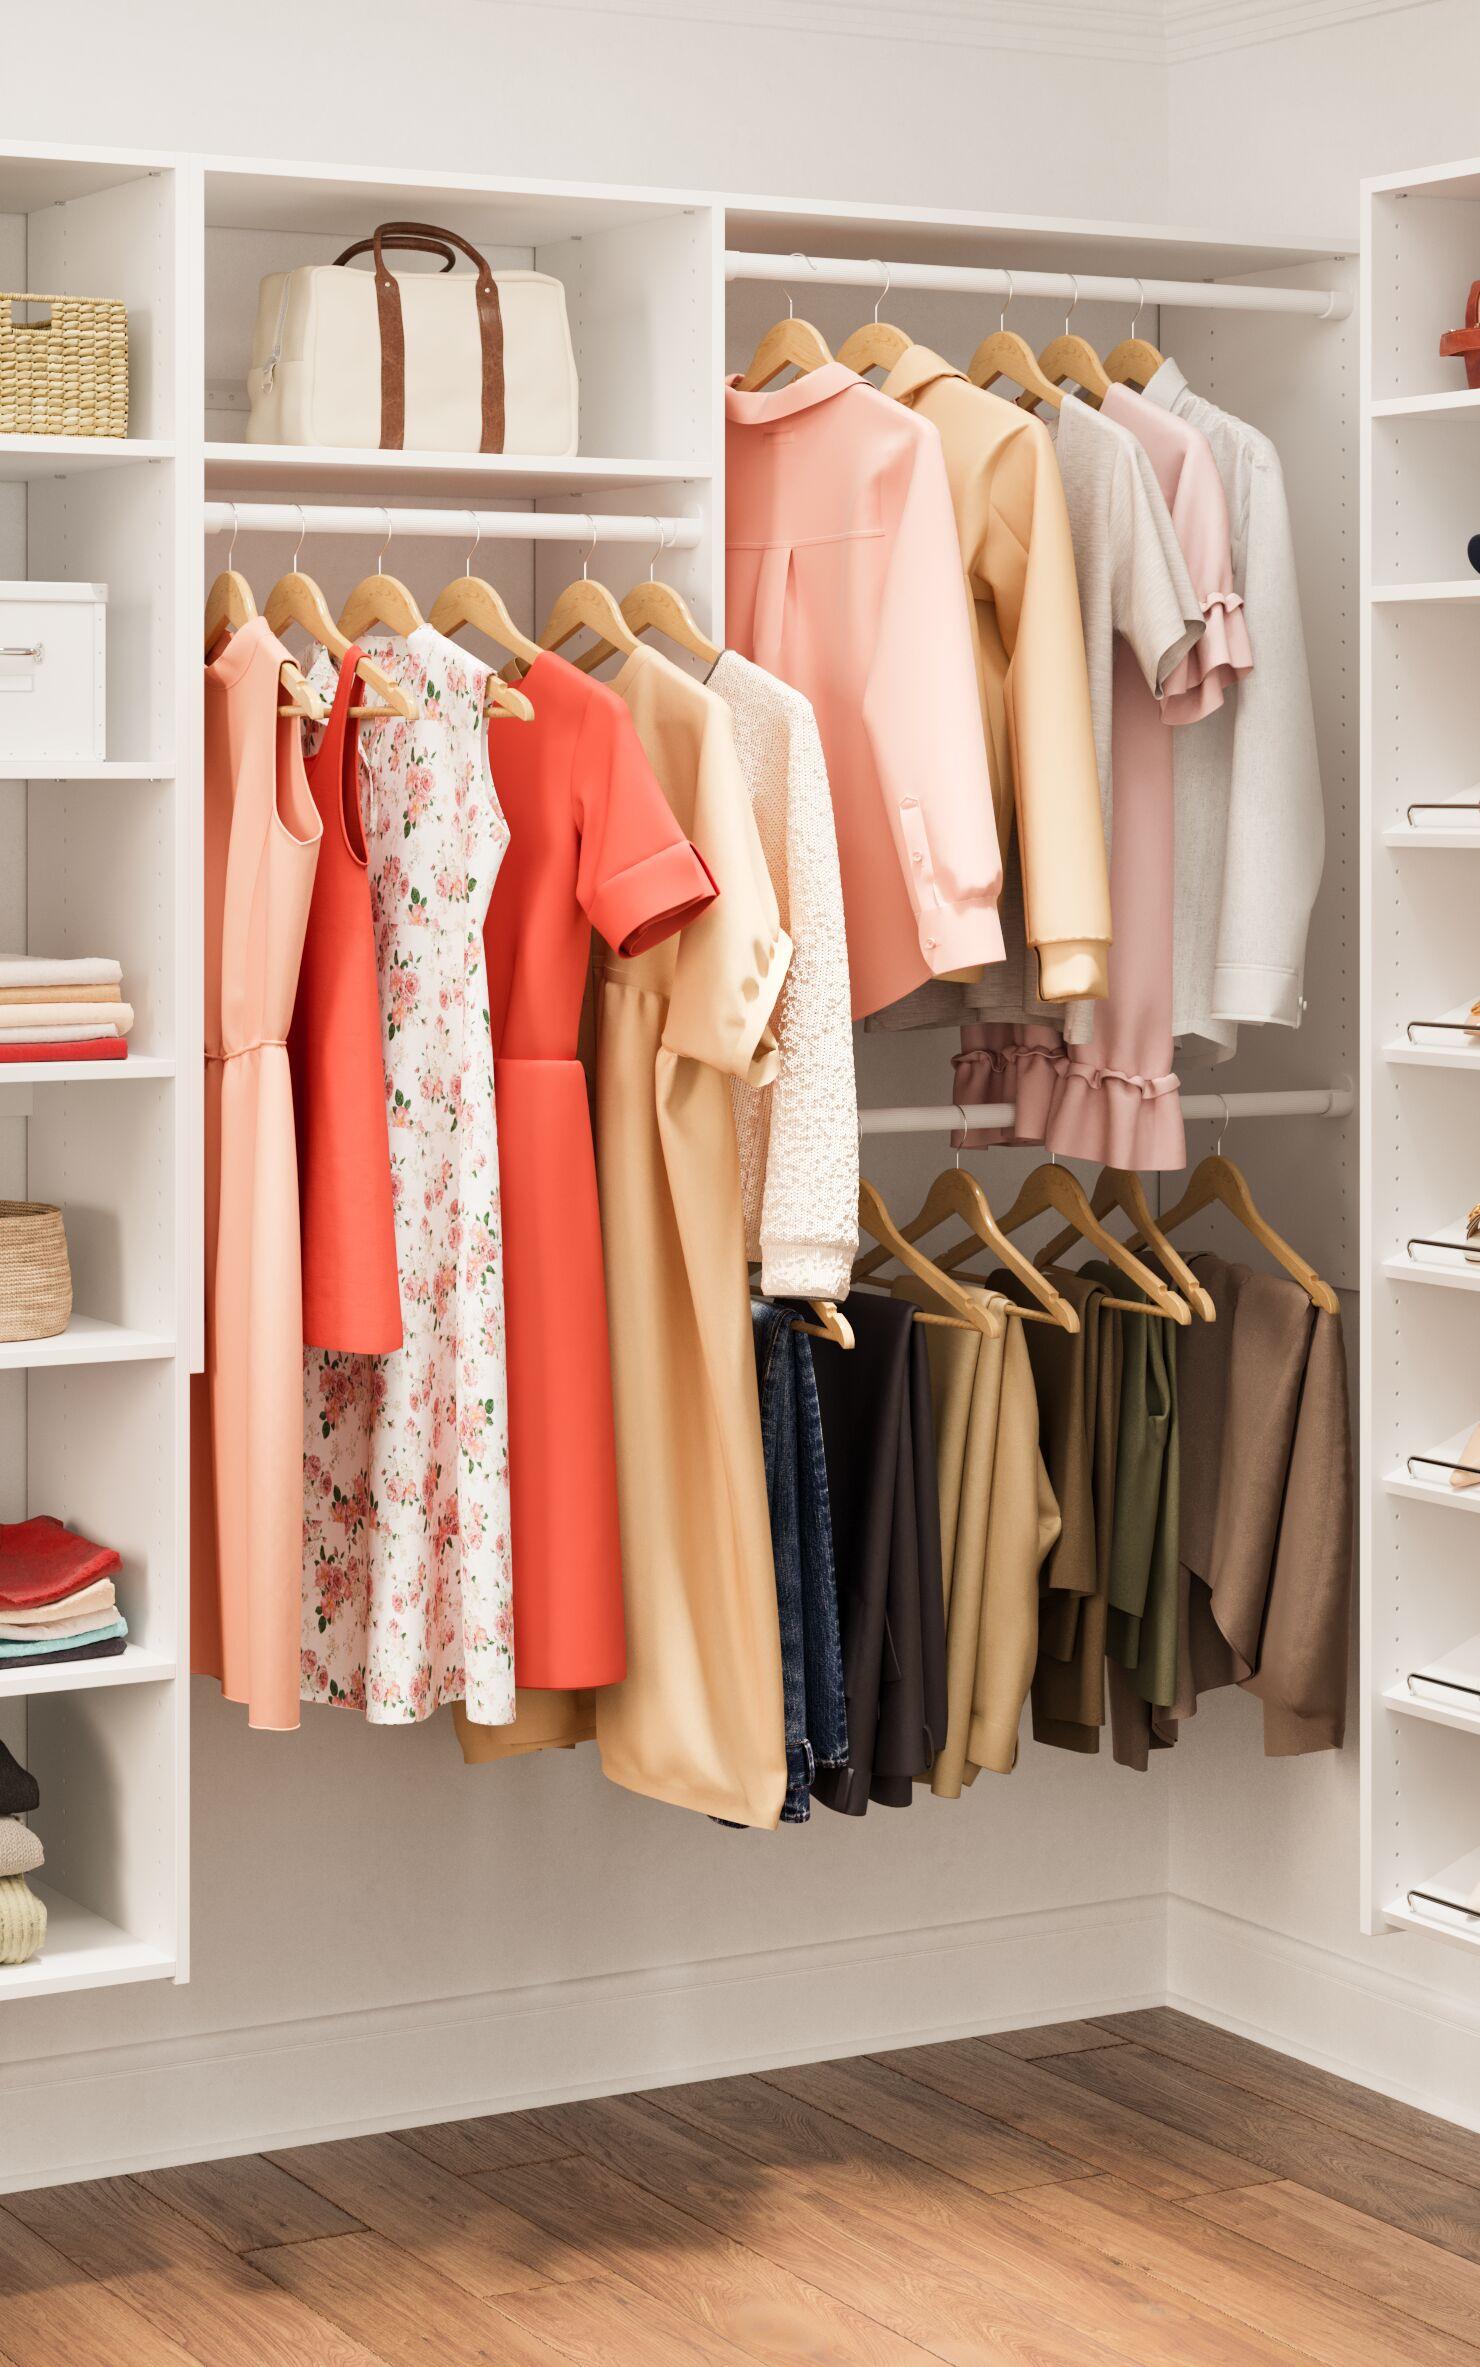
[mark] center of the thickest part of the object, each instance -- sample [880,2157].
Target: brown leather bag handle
[427,237]
[424,246]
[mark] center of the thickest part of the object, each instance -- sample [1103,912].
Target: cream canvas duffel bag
[432,362]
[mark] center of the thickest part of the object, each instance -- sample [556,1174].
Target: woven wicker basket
[35,1278]
[67,376]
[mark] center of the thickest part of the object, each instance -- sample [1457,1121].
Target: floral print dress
[407,1580]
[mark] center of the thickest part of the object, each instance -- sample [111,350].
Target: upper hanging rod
[1325,1101]
[578,526]
[847,271]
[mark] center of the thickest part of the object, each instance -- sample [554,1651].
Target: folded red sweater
[43,1562]
[90,1048]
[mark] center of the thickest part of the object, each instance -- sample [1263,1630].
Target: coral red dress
[593,844]
[351,1288]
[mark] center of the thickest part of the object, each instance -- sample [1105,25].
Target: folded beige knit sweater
[20,1849]
[22,1921]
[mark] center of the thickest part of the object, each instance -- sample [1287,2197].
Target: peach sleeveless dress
[262,833]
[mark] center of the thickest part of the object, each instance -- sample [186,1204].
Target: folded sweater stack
[22,1914]
[62,1010]
[57,1599]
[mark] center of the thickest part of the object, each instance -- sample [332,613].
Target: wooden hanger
[471,600]
[1216,1183]
[787,343]
[877,345]
[1134,361]
[653,607]
[1007,355]
[875,1220]
[1054,1188]
[1070,358]
[295,599]
[586,606]
[1120,1187]
[380,600]
[831,1324]
[230,605]
[957,1193]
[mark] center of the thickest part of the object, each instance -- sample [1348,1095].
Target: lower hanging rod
[578,526]
[1325,1101]
[947,279]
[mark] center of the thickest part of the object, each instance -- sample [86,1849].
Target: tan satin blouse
[1013,528]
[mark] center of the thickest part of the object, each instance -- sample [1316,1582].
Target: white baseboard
[1365,2017]
[158,2102]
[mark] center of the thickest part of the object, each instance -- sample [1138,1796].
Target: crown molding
[1157,33]
[1128,30]
[1203,28]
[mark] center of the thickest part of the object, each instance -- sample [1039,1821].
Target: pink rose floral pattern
[407,1583]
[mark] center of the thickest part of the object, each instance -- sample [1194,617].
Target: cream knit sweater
[22,1921]
[798,1136]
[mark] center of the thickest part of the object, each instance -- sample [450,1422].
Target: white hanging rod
[452,525]
[1331,1101]
[948,279]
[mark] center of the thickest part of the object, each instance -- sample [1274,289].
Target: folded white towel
[71,1018]
[66,1623]
[44,969]
[56,1035]
[98,1601]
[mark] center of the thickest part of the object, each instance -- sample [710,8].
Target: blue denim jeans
[802,1546]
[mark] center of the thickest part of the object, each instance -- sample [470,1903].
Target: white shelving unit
[101,857]
[1421,1128]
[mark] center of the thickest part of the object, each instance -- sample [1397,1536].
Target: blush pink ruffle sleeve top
[844,578]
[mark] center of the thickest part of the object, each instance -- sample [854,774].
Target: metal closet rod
[1326,1101]
[577,526]
[951,279]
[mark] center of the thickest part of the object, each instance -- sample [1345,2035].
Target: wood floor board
[932,2128]
[733,2290]
[404,2312]
[1417,2279]
[1174,2244]
[440,2220]
[199,2294]
[491,2141]
[1437,2144]
[604,2322]
[1284,2141]
[247,2201]
[1052,2038]
[54,2315]
[1099,2133]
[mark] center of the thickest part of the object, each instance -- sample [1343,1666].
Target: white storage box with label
[52,681]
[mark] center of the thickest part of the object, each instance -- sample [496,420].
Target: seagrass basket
[35,1277]
[66,375]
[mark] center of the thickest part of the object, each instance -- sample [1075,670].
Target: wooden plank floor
[1139,2192]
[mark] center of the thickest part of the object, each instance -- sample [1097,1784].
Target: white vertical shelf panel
[93,1425]
[1420,1132]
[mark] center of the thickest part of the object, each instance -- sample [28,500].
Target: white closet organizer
[1421,1132]
[101,857]
[663,289]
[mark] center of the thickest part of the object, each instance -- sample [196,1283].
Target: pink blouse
[844,578]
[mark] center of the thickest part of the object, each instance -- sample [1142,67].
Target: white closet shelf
[264,468]
[1429,1483]
[1450,1039]
[134,1665]
[86,1340]
[1408,1269]
[24,457]
[82,1951]
[88,768]
[1443,837]
[139,1067]
[1461,588]
[1458,1711]
[1454,403]
[1428,1914]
